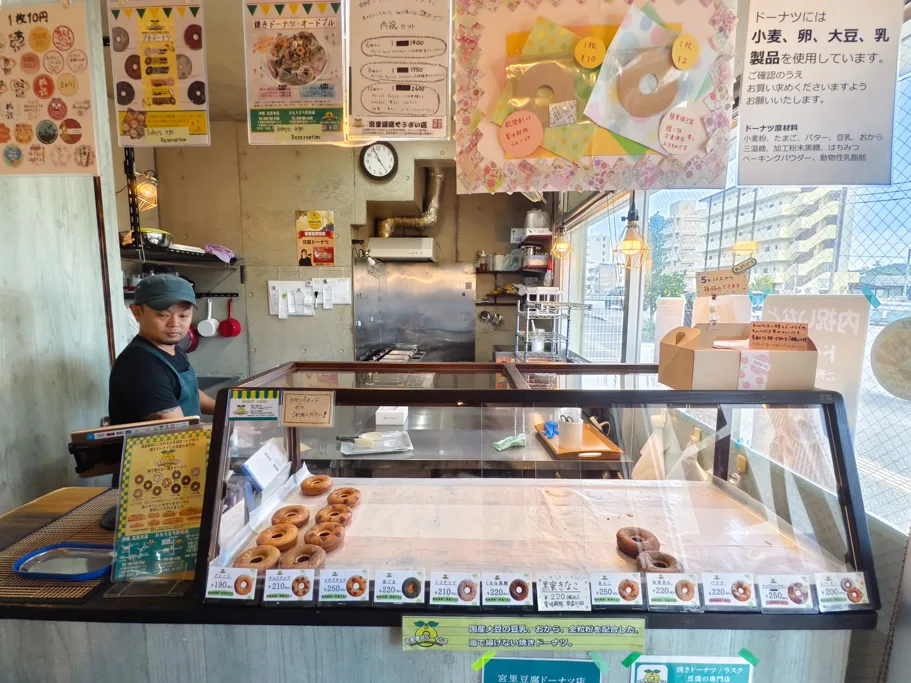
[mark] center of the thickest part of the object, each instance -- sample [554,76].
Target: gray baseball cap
[160,292]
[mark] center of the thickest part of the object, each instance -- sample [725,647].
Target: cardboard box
[688,359]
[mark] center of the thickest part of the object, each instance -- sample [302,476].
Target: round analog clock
[379,161]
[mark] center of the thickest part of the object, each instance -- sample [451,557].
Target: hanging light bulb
[745,247]
[632,243]
[632,248]
[562,247]
[146,188]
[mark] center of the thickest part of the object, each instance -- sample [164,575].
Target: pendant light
[745,247]
[562,247]
[632,248]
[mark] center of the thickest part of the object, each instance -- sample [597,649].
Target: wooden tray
[595,445]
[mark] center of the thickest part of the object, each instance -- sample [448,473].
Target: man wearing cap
[152,378]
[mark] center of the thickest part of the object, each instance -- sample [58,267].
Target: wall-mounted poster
[295,73]
[593,95]
[159,66]
[315,238]
[399,54]
[46,119]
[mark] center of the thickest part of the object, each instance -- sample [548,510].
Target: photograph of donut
[742,591]
[356,586]
[244,584]
[518,590]
[411,588]
[300,586]
[798,593]
[628,590]
[467,590]
[685,590]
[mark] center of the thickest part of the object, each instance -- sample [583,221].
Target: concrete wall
[245,198]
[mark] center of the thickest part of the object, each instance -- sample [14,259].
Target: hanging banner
[315,238]
[46,119]
[159,66]
[295,73]
[818,92]
[399,56]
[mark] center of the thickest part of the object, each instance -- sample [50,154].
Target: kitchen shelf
[541,336]
[521,271]
[174,257]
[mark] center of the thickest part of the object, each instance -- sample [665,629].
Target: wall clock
[379,161]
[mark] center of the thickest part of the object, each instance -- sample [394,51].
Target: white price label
[563,593]
[842,591]
[231,583]
[344,585]
[729,591]
[506,590]
[461,589]
[673,591]
[289,585]
[617,590]
[785,592]
[397,588]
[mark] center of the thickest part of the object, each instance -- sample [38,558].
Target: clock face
[379,161]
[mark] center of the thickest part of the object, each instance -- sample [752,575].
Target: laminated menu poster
[159,66]
[162,481]
[399,54]
[46,120]
[295,73]
[315,238]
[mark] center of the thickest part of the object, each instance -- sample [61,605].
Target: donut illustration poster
[46,119]
[626,95]
[159,69]
[295,73]
[162,483]
[400,69]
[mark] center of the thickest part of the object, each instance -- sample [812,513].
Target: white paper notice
[563,593]
[818,92]
[399,53]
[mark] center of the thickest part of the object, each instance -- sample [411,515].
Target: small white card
[344,585]
[264,465]
[729,591]
[785,592]
[563,593]
[506,589]
[231,583]
[398,588]
[455,588]
[673,591]
[289,585]
[841,591]
[617,590]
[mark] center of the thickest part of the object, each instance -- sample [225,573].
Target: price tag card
[785,593]
[231,584]
[563,593]
[289,585]
[398,588]
[673,592]
[344,585]
[718,282]
[729,592]
[617,590]
[506,590]
[455,588]
[838,592]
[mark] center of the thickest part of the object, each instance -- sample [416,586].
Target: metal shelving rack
[543,304]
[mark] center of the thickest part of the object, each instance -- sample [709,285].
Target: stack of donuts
[644,547]
[286,545]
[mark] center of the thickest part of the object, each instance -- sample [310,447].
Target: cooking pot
[209,326]
[190,342]
[229,327]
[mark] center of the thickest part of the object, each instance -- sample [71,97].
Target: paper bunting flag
[569,142]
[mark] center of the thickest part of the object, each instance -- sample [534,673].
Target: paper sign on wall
[315,238]
[778,335]
[668,669]
[719,282]
[807,112]
[308,408]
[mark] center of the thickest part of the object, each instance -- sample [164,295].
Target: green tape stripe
[599,662]
[483,659]
[630,659]
[749,656]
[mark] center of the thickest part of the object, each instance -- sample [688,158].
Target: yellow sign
[304,132]
[685,51]
[308,408]
[528,634]
[168,136]
[590,52]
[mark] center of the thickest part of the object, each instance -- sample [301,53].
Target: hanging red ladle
[230,326]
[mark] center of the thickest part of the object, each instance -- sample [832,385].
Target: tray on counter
[595,445]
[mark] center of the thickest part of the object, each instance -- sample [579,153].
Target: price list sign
[507,590]
[398,588]
[399,54]
[461,589]
[673,592]
[786,593]
[289,585]
[617,590]
[563,593]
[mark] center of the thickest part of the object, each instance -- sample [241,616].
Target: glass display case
[430,486]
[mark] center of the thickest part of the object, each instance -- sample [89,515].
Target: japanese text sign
[504,670]
[718,282]
[657,669]
[818,92]
[779,335]
[308,408]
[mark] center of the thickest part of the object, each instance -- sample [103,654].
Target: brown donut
[262,557]
[356,586]
[467,590]
[316,486]
[741,591]
[518,589]
[855,595]
[327,536]
[685,590]
[633,540]
[244,584]
[303,557]
[798,592]
[347,496]
[340,514]
[628,590]
[282,536]
[298,515]
[300,586]
[654,561]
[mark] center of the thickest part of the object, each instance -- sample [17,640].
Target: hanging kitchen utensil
[230,327]
[190,342]
[209,326]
